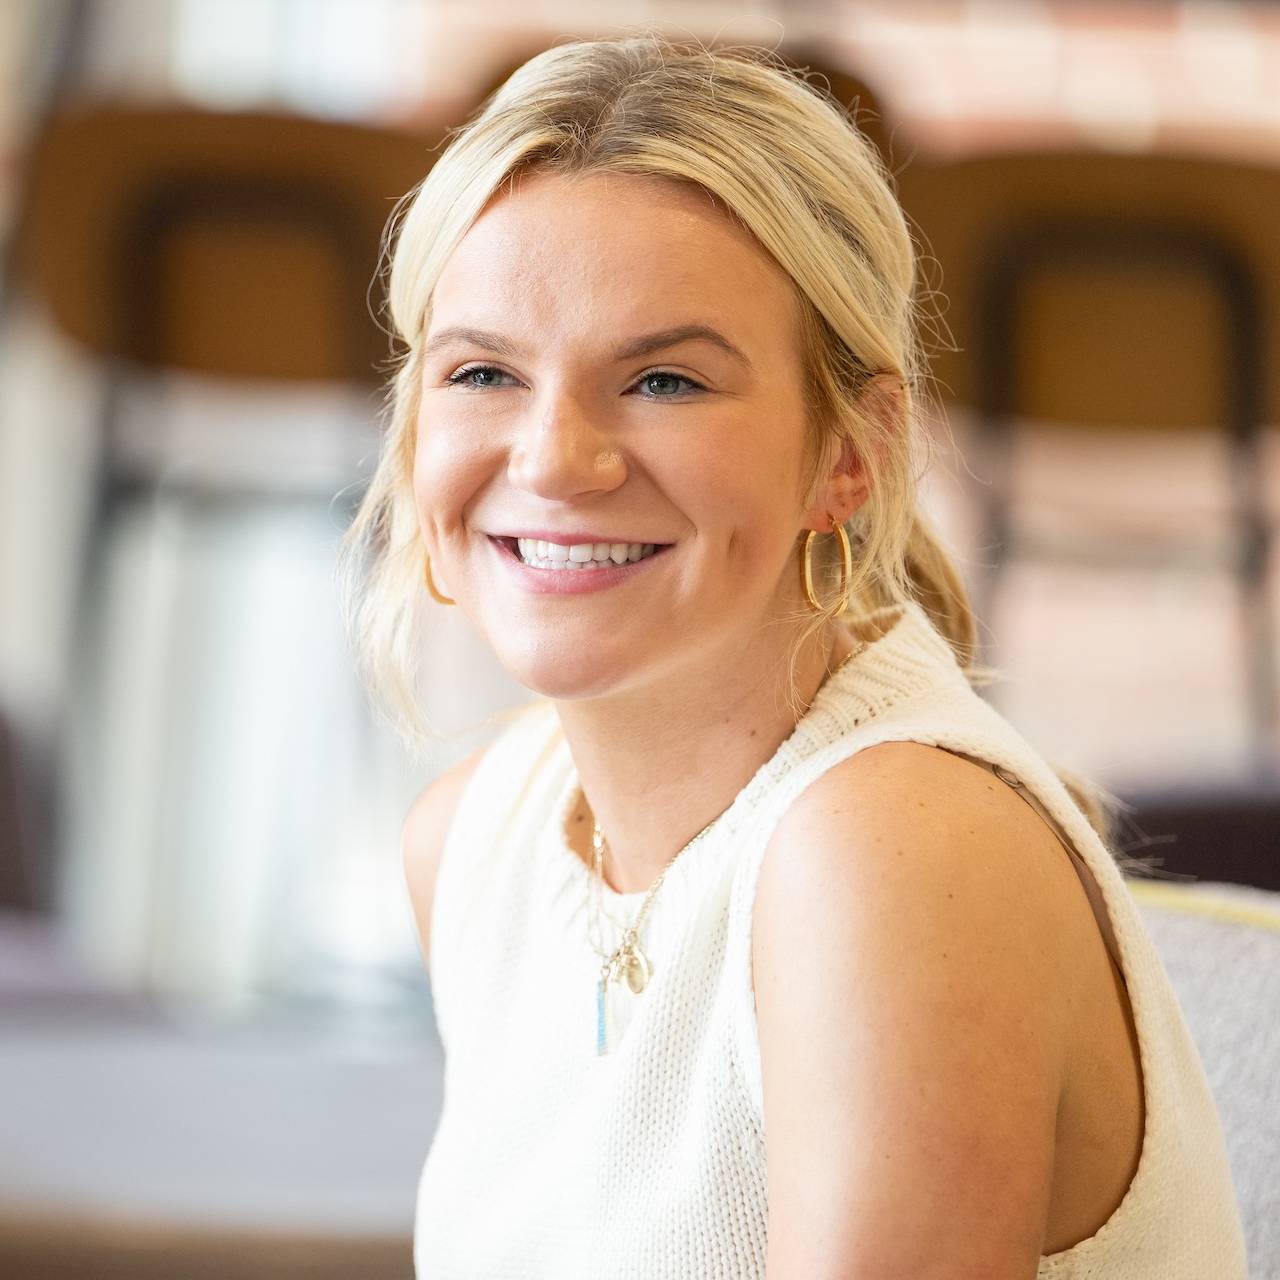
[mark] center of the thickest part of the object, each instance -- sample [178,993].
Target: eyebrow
[632,349]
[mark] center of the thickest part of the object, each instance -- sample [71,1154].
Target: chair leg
[1004,272]
[1254,546]
[995,445]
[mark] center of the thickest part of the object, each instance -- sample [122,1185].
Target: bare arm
[422,839]
[914,1016]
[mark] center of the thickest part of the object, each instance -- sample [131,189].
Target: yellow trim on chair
[1190,899]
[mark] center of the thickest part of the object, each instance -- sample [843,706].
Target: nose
[561,452]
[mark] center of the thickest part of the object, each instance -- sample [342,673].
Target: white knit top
[648,1163]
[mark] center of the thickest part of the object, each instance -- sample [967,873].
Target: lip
[571,582]
[577,538]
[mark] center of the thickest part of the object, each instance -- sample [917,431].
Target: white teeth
[580,555]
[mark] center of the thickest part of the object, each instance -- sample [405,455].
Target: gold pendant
[637,969]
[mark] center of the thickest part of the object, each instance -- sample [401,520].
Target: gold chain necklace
[627,961]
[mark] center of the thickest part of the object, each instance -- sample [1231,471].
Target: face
[610,361]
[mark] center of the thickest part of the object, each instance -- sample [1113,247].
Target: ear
[846,485]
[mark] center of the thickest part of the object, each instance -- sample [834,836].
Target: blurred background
[217,1050]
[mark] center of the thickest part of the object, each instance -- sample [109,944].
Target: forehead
[613,250]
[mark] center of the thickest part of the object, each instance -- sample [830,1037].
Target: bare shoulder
[918,805]
[912,977]
[422,840]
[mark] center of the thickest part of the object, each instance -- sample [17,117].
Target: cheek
[448,467]
[744,488]
[426,487]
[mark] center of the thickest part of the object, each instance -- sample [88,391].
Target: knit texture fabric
[648,1163]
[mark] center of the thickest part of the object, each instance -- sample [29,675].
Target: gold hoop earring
[431,586]
[846,568]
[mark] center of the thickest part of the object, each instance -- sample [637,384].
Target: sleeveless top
[649,1162]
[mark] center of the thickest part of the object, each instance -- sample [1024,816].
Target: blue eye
[464,378]
[666,376]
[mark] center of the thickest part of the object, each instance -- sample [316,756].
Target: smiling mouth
[557,557]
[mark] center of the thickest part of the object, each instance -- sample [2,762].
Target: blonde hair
[776,153]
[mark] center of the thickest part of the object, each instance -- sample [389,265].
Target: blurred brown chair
[234,245]
[1114,293]
[240,247]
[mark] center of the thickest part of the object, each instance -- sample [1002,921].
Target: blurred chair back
[1107,293]
[240,245]
[236,246]
[1220,945]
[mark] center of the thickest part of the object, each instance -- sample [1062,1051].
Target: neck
[659,762]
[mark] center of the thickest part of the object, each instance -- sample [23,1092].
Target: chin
[557,675]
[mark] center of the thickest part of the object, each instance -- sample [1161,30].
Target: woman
[760,942]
